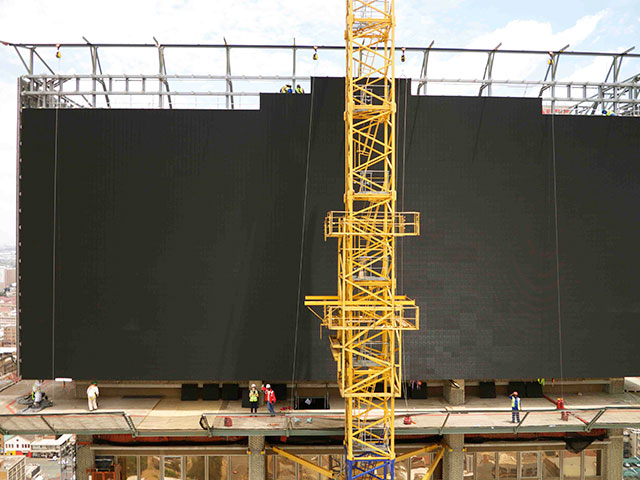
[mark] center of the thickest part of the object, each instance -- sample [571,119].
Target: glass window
[128,467]
[194,466]
[172,468]
[334,463]
[239,467]
[270,467]
[306,473]
[402,470]
[286,469]
[529,464]
[485,466]
[550,465]
[150,468]
[468,466]
[571,465]
[592,464]
[420,466]
[218,467]
[507,465]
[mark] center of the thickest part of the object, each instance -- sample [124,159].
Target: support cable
[407,85]
[55,224]
[304,223]
[557,243]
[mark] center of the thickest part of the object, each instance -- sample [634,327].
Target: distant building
[12,468]
[17,445]
[52,447]
[7,277]
[9,336]
[632,442]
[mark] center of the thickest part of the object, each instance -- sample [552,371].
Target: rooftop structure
[617,90]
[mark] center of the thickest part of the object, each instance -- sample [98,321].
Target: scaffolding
[44,87]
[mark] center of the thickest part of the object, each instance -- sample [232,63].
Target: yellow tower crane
[367,316]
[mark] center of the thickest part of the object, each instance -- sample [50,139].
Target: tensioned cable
[407,85]
[555,209]
[304,222]
[55,206]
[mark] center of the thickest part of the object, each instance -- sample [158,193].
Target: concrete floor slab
[165,416]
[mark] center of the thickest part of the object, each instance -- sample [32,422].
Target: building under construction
[171,238]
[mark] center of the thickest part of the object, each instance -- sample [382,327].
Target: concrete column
[453,461]
[454,394]
[612,454]
[85,458]
[616,385]
[257,458]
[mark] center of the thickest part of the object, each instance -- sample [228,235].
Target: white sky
[584,24]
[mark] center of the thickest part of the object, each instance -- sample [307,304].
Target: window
[286,469]
[402,470]
[571,465]
[129,467]
[468,466]
[218,467]
[150,468]
[592,464]
[508,465]
[270,462]
[550,465]
[420,466]
[485,466]
[305,473]
[239,467]
[194,467]
[529,465]
[172,468]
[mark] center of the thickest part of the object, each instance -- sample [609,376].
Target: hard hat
[253,385]
[268,386]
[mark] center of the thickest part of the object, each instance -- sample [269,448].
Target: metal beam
[305,463]
[488,69]
[420,451]
[307,47]
[589,425]
[434,464]
[228,75]
[423,70]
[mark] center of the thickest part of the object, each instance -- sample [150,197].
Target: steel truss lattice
[367,316]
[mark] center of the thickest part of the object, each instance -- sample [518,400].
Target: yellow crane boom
[367,316]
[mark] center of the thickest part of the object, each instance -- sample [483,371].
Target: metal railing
[429,422]
[96,89]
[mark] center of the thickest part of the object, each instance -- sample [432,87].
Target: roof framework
[44,87]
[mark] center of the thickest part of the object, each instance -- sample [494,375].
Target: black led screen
[175,237]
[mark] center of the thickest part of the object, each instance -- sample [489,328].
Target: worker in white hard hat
[92,396]
[269,398]
[254,398]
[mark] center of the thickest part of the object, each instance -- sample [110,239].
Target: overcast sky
[585,24]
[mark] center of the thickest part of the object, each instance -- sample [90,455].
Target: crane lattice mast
[367,317]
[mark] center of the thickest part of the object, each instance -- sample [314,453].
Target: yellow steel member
[367,315]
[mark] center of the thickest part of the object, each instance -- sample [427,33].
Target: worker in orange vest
[269,398]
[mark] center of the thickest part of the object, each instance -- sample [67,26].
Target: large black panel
[178,236]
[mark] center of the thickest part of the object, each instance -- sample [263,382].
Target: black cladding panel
[178,236]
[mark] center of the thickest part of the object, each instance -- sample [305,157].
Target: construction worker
[608,113]
[254,397]
[286,89]
[269,398]
[92,396]
[515,407]
[36,392]
[299,89]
